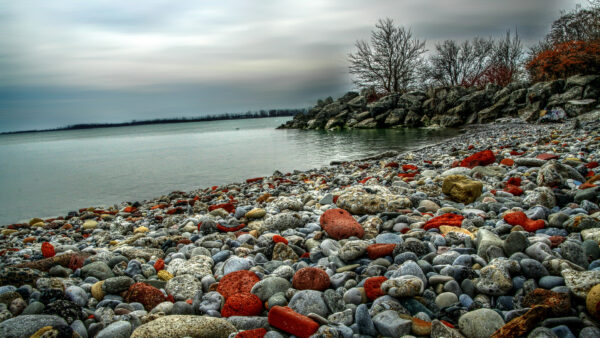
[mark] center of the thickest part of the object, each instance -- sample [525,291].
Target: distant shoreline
[240,116]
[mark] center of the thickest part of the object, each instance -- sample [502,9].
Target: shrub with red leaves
[565,59]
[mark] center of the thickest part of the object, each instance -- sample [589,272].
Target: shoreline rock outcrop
[455,106]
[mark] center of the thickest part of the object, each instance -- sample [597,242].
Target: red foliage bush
[564,60]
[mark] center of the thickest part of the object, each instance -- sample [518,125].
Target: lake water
[51,173]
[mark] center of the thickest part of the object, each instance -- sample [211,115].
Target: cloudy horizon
[68,62]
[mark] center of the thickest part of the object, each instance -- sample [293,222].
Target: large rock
[197,266]
[27,325]
[481,323]
[339,224]
[270,286]
[555,173]
[389,324]
[309,301]
[580,282]
[462,189]
[283,221]
[358,201]
[577,107]
[98,269]
[185,326]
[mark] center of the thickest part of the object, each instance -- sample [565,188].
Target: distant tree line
[394,61]
[211,117]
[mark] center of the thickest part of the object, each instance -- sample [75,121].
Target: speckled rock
[182,326]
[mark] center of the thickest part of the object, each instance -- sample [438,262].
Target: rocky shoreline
[492,233]
[443,107]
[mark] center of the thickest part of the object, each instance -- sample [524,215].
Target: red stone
[516,153]
[364,180]
[47,250]
[514,181]
[519,218]
[470,147]
[409,167]
[230,229]
[146,294]
[513,189]
[280,239]
[380,250]
[555,241]
[339,224]
[237,282]
[130,209]
[591,165]
[230,208]
[445,219]
[242,304]
[178,210]
[311,279]
[159,264]
[256,179]
[373,287]
[288,320]
[559,302]
[255,333]
[547,157]
[481,158]
[392,165]
[507,162]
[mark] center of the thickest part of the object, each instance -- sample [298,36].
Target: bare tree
[390,63]
[509,55]
[581,24]
[460,64]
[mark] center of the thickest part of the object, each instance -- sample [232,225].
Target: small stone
[256,213]
[580,282]
[237,282]
[446,299]
[311,279]
[339,224]
[481,323]
[389,323]
[353,250]
[184,326]
[403,286]
[118,329]
[309,301]
[461,189]
[592,301]
[286,319]
[269,286]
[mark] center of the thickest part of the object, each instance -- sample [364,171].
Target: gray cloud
[68,61]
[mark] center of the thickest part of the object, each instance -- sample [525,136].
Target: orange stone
[311,279]
[237,282]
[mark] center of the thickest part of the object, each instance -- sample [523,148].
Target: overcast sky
[66,62]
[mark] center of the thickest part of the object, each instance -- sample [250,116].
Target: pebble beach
[493,233]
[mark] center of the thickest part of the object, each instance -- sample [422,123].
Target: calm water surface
[49,174]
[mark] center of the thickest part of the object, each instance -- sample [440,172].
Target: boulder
[462,189]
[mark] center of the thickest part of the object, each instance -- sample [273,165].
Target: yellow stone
[7,232]
[164,275]
[38,224]
[113,242]
[141,229]
[46,331]
[35,220]
[107,217]
[90,224]
[256,213]
[97,291]
[446,229]
[591,301]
